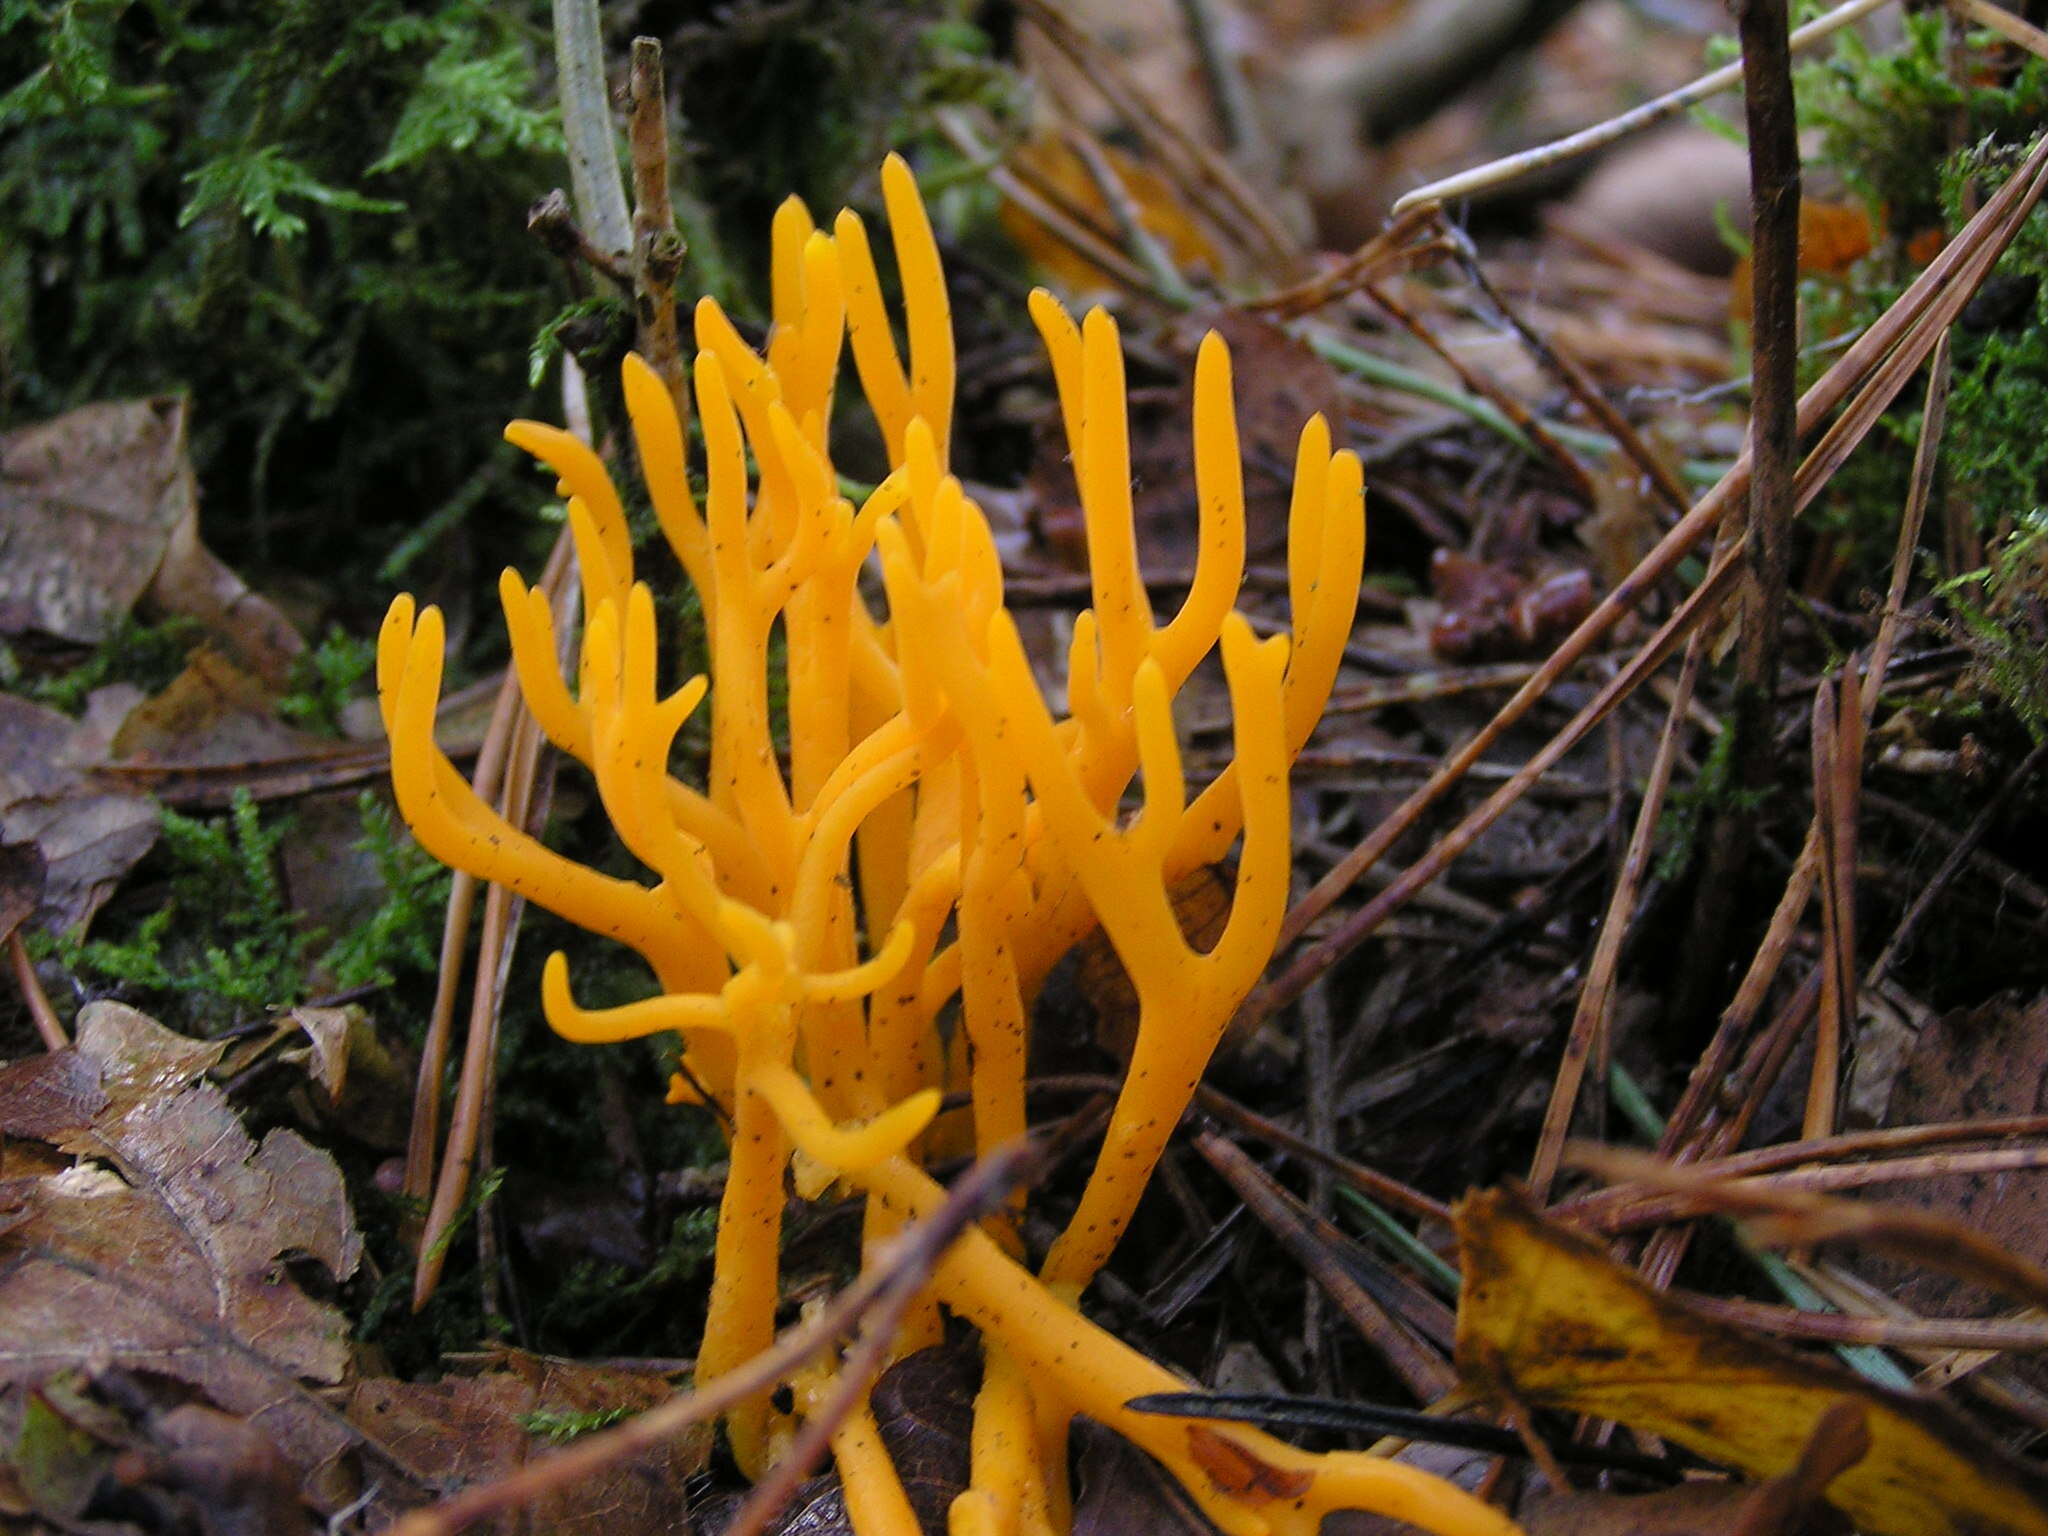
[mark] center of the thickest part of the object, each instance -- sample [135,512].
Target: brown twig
[551,223]
[1021,186]
[33,997]
[424,1137]
[1648,1210]
[1483,385]
[1574,378]
[658,247]
[1999,1333]
[1425,1374]
[1767,531]
[1778,1217]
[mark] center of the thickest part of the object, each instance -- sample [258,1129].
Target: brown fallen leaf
[474,1429]
[1547,1320]
[99,512]
[176,1264]
[214,714]
[1968,1064]
[51,1097]
[89,835]
[233,1480]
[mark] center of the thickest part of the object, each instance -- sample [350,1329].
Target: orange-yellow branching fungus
[935,832]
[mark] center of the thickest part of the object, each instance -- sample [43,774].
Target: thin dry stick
[1586,140]
[1878,360]
[423,1140]
[500,931]
[37,1001]
[1650,1210]
[1778,1217]
[880,1291]
[1767,529]
[1761,1064]
[657,245]
[1737,1017]
[1425,1374]
[1574,378]
[1926,455]
[1837,775]
[523,788]
[1595,1013]
[1487,388]
[1392,249]
[1589,1209]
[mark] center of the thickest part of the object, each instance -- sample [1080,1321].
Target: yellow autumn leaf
[1547,1320]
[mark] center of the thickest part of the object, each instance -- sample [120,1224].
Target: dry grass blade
[1634,1209]
[475,1088]
[1595,1013]
[1837,778]
[1397,248]
[1511,168]
[1577,382]
[424,1138]
[1130,218]
[1487,388]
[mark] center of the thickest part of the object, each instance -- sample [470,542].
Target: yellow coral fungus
[936,832]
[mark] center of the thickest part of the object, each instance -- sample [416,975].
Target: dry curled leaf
[1547,1320]
[88,835]
[98,512]
[177,1263]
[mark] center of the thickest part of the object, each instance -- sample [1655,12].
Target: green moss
[147,655]
[308,216]
[1998,614]
[1922,148]
[219,943]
